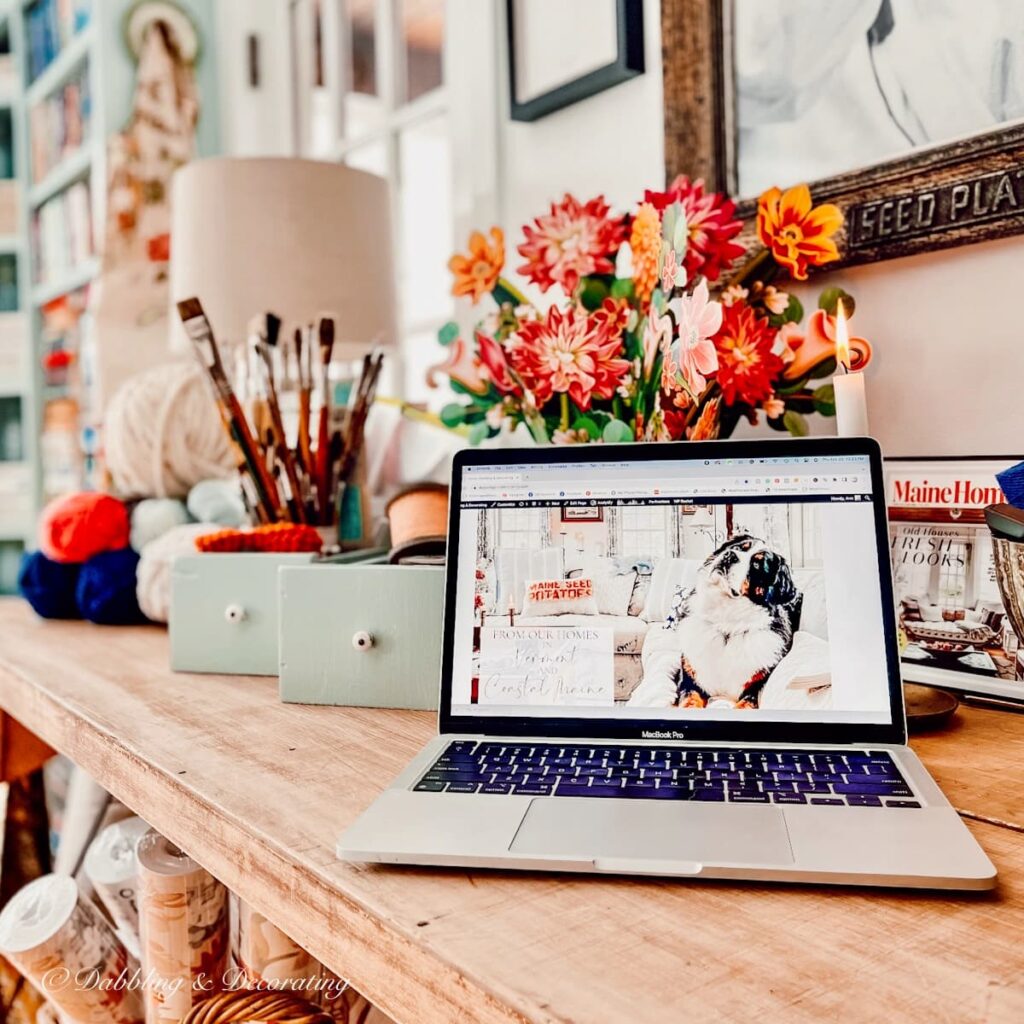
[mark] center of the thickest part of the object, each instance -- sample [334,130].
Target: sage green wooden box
[362,635]
[224,612]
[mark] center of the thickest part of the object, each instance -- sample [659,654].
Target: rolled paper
[183,925]
[264,955]
[62,944]
[113,870]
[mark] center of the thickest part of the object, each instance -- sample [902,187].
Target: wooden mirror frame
[965,191]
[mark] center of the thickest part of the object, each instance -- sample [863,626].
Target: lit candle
[851,400]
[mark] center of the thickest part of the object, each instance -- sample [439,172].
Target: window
[952,575]
[374,95]
[645,530]
[519,527]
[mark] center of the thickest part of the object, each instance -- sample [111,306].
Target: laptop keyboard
[823,777]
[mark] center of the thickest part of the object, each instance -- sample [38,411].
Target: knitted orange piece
[279,538]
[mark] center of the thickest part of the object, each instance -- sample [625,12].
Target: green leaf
[503,292]
[795,423]
[826,368]
[479,432]
[792,389]
[824,400]
[617,432]
[622,288]
[453,414]
[668,222]
[828,300]
[448,333]
[587,424]
[593,292]
[794,312]
[679,234]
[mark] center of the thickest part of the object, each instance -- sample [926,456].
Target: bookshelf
[66,85]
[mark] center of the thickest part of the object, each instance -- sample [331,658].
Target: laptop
[672,660]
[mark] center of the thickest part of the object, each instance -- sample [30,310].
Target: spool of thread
[418,519]
[64,947]
[49,587]
[183,927]
[153,588]
[107,589]
[217,501]
[163,433]
[153,517]
[113,869]
[77,526]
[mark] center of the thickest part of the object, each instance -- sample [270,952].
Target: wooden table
[257,791]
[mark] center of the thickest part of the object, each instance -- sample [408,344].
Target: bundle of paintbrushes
[300,480]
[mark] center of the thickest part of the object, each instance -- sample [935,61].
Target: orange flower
[817,344]
[645,245]
[798,234]
[477,273]
[708,425]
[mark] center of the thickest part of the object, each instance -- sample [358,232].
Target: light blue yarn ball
[217,501]
[153,517]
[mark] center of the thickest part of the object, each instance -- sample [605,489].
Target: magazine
[954,630]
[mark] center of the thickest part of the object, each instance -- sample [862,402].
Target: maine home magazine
[954,631]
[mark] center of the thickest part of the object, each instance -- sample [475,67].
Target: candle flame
[842,338]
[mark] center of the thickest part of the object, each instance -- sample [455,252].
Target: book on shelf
[59,126]
[50,26]
[62,232]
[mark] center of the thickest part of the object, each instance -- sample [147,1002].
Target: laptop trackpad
[596,829]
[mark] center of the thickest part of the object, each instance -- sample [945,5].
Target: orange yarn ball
[78,526]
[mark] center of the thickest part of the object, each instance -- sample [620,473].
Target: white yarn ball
[153,517]
[163,433]
[154,573]
[217,501]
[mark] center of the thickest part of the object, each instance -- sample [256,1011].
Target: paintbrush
[356,422]
[199,332]
[325,334]
[268,331]
[305,378]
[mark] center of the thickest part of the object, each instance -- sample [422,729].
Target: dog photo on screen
[705,606]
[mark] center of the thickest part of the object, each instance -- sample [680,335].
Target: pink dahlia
[571,242]
[710,225]
[568,352]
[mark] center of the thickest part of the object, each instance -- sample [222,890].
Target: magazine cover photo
[714,606]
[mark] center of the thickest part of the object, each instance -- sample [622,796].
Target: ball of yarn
[217,501]
[106,589]
[163,433]
[153,517]
[78,526]
[154,576]
[49,587]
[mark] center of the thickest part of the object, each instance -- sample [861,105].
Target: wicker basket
[256,1008]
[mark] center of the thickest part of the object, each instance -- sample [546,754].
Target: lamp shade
[297,238]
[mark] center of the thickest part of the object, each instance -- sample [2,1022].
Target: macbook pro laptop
[673,660]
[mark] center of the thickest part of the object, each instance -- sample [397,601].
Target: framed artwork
[906,115]
[546,73]
[958,627]
[582,514]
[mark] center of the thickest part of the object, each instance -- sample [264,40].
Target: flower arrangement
[669,328]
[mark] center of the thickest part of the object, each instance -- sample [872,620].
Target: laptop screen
[675,591]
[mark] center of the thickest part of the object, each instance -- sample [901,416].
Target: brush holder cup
[1009,563]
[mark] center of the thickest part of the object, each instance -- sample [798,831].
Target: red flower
[747,366]
[158,248]
[570,353]
[710,223]
[495,365]
[572,241]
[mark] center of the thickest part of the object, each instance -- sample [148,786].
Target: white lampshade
[297,238]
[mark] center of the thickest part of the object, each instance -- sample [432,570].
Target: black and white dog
[725,634]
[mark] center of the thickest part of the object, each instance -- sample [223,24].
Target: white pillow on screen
[613,591]
[814,611]
[668,574]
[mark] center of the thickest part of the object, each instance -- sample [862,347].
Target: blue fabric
[49,586]
[1012,482]
[106,589]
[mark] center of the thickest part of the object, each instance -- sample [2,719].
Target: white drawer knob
[234,613]
[362,641]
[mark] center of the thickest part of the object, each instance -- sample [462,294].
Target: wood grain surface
[258,791]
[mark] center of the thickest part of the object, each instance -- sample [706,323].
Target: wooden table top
[257,791]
